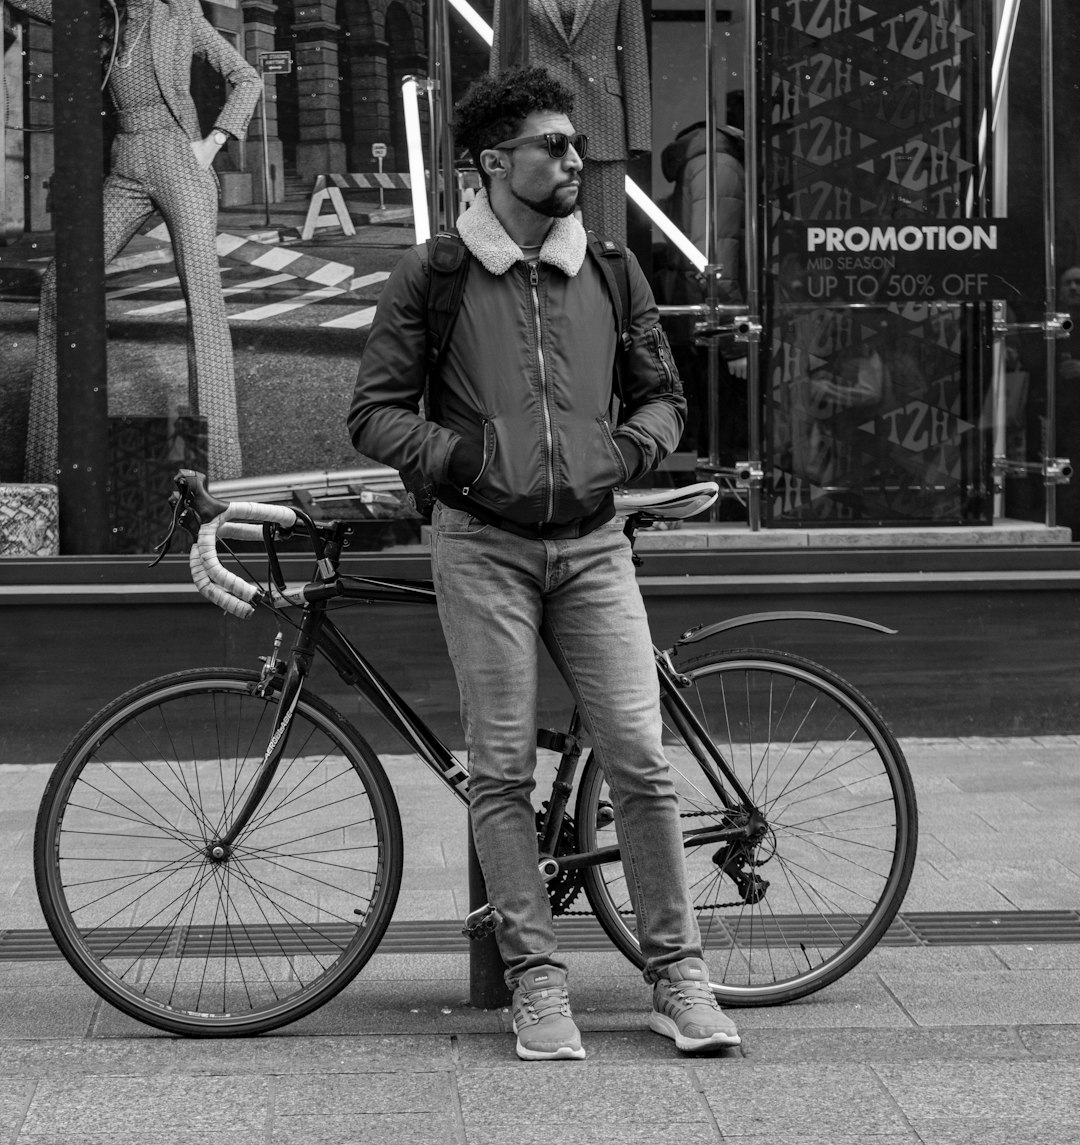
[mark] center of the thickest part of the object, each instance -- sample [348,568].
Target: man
[161,161]
[525,544]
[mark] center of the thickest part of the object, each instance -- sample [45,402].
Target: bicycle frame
[318,633]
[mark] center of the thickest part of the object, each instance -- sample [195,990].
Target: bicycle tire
[821,763]
[182,941]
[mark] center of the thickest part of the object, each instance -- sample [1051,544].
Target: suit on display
[597,49]
[160,161]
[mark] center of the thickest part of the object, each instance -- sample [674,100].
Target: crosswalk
[291,294]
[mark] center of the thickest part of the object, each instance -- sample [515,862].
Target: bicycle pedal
[481,923]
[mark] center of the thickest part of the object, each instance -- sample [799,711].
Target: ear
[494,164]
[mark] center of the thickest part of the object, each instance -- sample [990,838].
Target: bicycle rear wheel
[809,899]
[205,945]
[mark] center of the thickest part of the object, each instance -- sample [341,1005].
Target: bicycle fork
[295,672]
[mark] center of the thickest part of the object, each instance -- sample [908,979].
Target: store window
[877,386]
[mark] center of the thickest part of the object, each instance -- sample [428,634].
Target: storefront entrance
[898,273]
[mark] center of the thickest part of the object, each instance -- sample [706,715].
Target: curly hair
[495,107]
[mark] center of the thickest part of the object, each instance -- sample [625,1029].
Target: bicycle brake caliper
[272,667]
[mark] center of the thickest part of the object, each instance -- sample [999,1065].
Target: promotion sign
[890,260]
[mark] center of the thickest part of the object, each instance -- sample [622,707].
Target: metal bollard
[487,988]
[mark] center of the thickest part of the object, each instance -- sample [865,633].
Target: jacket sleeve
[633,56]
[245,84]
[653,407]
[384,420]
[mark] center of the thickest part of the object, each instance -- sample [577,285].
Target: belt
[541,531]
[153,117]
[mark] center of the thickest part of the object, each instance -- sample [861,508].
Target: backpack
[448,261]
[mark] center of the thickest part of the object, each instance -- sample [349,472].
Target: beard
[558,205]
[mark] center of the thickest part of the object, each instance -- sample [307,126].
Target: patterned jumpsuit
[154,167]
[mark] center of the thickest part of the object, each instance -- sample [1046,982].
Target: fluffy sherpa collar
[564,247]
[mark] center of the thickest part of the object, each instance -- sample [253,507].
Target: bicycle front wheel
[808,898]
[204,943]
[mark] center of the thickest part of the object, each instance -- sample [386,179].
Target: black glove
[632,455]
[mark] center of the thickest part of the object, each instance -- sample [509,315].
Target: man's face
[1070,287]
[549,186]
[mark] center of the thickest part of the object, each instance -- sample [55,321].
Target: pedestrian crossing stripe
[281,259]
[268,257]
[354,320]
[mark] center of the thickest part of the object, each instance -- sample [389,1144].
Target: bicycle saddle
[671,504]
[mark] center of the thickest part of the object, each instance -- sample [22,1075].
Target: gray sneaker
[542,1019]
[685,1010]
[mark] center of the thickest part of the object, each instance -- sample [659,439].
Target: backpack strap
[448,262]
[606,253]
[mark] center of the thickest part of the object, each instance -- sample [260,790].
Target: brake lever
[183,517]
[162,547]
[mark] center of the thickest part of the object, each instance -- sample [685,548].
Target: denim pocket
[450,522]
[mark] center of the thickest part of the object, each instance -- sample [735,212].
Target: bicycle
[218,851]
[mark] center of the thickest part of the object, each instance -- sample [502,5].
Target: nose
[572,159]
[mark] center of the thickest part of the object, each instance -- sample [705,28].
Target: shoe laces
[551,1001]
[691,993]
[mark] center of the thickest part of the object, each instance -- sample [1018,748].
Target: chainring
[566,885]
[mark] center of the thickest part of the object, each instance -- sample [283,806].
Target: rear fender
[704,631]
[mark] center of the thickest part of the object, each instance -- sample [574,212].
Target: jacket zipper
[616,453]
[662,354]
[489,455]
[549,440]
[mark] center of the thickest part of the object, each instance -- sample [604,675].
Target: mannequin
[160,160]
[597,48]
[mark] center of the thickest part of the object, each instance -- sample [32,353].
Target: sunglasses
[556,141]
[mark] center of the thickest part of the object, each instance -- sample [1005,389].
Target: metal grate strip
[429,936]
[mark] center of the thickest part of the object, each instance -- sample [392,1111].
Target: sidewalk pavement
[936,1044]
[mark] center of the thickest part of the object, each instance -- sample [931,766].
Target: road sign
[275,62]
[378,150]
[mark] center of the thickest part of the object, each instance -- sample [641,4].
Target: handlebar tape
[221,587]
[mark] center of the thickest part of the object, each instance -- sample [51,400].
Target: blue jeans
[499,595]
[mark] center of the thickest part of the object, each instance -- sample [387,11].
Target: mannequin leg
[126,207]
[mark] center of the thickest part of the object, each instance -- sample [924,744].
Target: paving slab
[285,1054]
[119,1110]
[343,1094]
[854,1044]
[830,1098]
[987,997]
[369,1129]
[986,1097]
[1051,1041]
[47,1011]
[15,1098]
[596,1132]
[582,1094]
